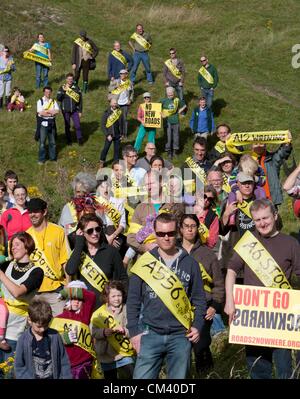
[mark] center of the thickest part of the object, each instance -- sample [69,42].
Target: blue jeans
[209,95]
[137,58]
[217,325]
[262,369]
[40,70]
[47,132]
[179,90]
[141,134]
[5,355]
[176,348]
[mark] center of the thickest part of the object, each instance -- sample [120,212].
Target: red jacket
[14,221]
[75,353]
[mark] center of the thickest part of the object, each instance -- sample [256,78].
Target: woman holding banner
[142,129]
[93,260]
[41,49]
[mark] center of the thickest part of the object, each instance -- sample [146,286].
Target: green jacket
[203,83]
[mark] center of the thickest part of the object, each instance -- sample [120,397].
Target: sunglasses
[172,53]
[202,60]
[209,199]
[166,233]
[2,189]
[92,229]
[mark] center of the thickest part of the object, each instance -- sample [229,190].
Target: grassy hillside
[249,43]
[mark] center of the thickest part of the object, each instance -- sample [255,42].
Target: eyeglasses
[189,226]
[147,97]
[166,233]
[92,229]
[173,53]
[203,60]
[132,156]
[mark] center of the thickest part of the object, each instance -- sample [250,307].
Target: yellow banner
[166,285]
[247,138]
[84,340]
[203,233]
[207,280]
[40,49]
[49,105]
[110,210]
[199,172]
[124,192]
[119,56]
[226,186]
[141,41]
[245,208]
[113,117]
[173,69]
[152,112]
[71,93]
[8,68]
[266,317]
[17,307]
[220,147]
[169,112]
[261,262]
[207,76]
[33,57]
[92,273]
[124,85]
[85,45]
[101,318]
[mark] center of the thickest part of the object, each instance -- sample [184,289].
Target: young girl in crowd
[17,101]
[79,307]
[113,348]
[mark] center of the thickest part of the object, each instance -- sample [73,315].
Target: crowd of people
[139,270]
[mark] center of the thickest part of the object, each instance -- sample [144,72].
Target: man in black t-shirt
[285,251]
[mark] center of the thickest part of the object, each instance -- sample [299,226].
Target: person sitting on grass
[17,101]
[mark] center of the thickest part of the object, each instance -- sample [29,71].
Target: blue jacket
[24,363]
[155,313]
[202,121]
[114,66]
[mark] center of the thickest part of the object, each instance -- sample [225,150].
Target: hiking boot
[4,346]
[1,102]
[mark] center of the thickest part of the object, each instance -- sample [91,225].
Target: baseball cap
[36,204]
[147,94]
[242,177]
[123,71]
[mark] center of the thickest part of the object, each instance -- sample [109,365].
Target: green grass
[249,43]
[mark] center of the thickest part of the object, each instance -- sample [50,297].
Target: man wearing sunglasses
[174,72]
[207,79]
[164,336]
